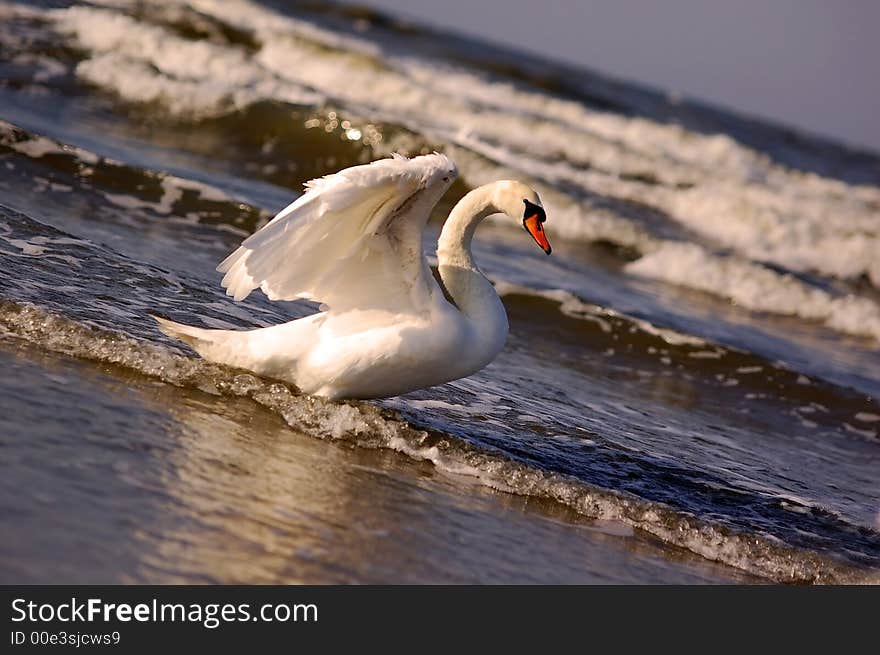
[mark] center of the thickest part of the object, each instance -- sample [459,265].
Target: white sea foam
[147,63]
[758,288]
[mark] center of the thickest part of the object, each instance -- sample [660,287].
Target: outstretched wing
[353,240]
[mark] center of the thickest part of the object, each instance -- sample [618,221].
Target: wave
[84,316]
[126,186]
[656,349]
[699,210]
[759,288]
[368,426]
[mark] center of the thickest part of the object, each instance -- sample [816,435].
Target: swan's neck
[454,246]
[472,293]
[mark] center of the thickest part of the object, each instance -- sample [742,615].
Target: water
[689,388]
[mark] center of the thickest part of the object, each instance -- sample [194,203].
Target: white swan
[354,242]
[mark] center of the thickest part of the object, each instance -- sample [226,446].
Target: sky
[808,63]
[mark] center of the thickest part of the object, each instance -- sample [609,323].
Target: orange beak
[535,227]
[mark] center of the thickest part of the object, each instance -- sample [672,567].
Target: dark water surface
[170,487]
[688,392]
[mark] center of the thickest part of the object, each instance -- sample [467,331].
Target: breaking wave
[368,426]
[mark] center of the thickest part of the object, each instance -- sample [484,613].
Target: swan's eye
[445,179]
[532,209]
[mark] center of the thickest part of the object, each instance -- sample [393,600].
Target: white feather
[354,236]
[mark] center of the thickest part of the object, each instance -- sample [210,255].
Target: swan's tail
[193,336]
[221,346]
[271,351]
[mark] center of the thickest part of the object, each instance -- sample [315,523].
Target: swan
[353,241]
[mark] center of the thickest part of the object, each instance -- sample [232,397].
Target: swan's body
[354,242]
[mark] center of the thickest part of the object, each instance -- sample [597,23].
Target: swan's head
[521,202]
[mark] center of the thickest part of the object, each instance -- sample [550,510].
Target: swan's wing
[353,240]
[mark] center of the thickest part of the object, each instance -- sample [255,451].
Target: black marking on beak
[533,222]
[532,209]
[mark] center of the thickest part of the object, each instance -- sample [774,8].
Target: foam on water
[758,288]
